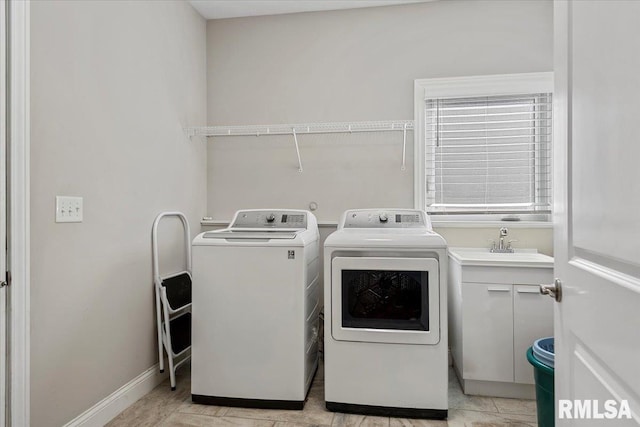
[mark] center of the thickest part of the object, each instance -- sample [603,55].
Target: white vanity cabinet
[532,319]
[487,323]
[495,313]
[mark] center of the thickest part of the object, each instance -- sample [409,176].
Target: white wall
[350,66]
[112,86]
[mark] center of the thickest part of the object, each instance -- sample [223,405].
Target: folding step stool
[173,304]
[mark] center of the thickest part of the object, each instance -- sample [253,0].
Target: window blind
[489,154]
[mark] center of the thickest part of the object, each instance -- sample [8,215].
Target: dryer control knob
[384,217]
[271,217]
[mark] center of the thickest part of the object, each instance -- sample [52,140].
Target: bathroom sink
[482,256]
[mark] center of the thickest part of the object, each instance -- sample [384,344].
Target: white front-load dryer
[256,299]
[386,315]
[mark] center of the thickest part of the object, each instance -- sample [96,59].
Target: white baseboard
[109,407]
[499,389]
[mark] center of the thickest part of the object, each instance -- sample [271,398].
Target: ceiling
[218,9]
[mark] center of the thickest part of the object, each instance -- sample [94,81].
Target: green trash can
[545,398]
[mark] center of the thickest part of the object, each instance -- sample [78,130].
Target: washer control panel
[270,219]
[385,218]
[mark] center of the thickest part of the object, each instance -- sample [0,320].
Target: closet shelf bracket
[295,140]
[404,147]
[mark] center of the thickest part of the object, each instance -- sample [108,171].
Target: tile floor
[162,407]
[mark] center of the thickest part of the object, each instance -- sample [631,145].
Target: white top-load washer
[386,315]
[256,300]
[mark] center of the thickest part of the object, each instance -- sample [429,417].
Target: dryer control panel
[270,219]
[385,218]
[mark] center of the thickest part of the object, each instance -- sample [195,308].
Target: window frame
[469,86]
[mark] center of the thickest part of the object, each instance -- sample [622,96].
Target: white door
[3,214]
[597,212]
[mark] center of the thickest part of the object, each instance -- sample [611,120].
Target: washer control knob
[271,217]
[384,217]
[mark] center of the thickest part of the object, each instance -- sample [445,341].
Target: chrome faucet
[501,247]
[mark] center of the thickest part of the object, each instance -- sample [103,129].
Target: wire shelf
[301,128]
[307,128]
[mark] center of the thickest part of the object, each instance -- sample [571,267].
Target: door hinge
[7,280]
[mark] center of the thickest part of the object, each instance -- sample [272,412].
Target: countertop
[482,257]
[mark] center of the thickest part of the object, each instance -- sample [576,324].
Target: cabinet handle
[498,289]
[529,291]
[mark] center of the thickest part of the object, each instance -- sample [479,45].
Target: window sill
[490,224]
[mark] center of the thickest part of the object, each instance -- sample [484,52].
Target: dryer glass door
[385,299]
[394,300]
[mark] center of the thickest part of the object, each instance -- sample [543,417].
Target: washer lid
[251,234]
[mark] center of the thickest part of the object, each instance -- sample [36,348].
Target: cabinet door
[487,324]
[532,319]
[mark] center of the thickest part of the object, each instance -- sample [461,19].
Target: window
[483,147]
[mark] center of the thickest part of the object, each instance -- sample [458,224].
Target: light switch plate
[68,209]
